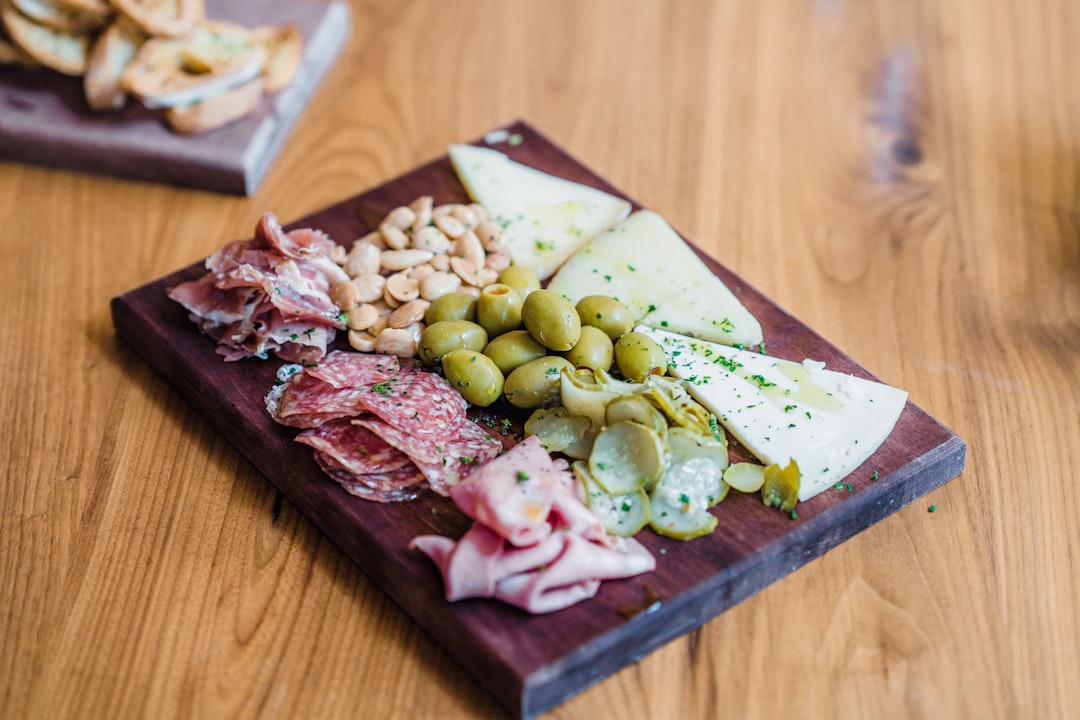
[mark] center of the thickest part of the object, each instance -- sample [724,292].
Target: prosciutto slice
[268,295]
[533,543]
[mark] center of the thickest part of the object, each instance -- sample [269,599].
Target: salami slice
[405,483]
[308,402]
[444,462]
[356,449]
[349,369]
[420,404]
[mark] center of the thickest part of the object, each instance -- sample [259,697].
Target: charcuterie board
[531,663]
[44,118]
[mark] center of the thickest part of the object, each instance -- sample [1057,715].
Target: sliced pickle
[621,515]
[558,430]
[670,516]
[684,444]
[745,477]
[635,408]
[581,395]
[627,457]
[672,399]
[781,487]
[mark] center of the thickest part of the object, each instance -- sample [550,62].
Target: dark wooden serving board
[44,119]
[531,663]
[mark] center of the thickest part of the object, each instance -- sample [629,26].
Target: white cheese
[646,264]
[828,422]
[545,219]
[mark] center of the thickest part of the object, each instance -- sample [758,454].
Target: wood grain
[902,177]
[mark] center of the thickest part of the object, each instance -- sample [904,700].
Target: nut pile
[419,253]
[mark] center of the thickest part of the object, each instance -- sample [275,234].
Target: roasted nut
[490,236]
[362,259]
[430,238]
[450,225]
[371,287]
[361,341]
[396,341]
[395,237]
[363,317]
[437,284]
[479,212]
[468,247]
[339,254]
[498,260]
[465,270]
[485,276]
[409,313]
[465,215]
[344,294]
[420,272]
[421,206]
[381,324]
[394,260]
[374,238]
[401,217]
[441,262]
[401,288]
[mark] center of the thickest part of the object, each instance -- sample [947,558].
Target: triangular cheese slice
[545,219]
[646,264]
[826,421]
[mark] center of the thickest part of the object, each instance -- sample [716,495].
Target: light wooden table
[902,176]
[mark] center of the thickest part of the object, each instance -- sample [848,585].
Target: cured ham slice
[268,295]
[382,428]
[533,544]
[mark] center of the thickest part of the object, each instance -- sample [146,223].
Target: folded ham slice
[533,543]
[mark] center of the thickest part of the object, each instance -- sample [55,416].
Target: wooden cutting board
[44,118]
[531,663]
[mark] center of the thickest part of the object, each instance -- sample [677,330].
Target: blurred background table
[902,176]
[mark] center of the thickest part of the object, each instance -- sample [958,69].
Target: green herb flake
[522,476]
[515,139]
[932,508]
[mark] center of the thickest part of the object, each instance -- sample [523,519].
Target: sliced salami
[420,404]
[348,369]
[446,461]
[395,486]
[355,448]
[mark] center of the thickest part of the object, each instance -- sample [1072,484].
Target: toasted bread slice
[59,15]
[216,57]
[217,110]
[164,18]
[110,55]
[65,52]
[284,48]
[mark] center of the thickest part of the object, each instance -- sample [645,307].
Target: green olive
[520,278]
[451,306]
[536,383]
[442,337]
[498,309]
[551,320]
[592,350]
[513,349]
[638,355]
[474,376]
[606,313]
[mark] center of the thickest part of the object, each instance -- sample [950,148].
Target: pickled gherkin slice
[581,395]
[781,488]
[685,445]
[673,515]
[635,408]
[745,477]
[559,431]
[627,457]
[622,515]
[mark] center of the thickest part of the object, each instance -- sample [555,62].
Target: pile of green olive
[515,338]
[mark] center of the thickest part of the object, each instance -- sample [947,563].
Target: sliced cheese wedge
[826,421]
[646,264]
[545,219]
